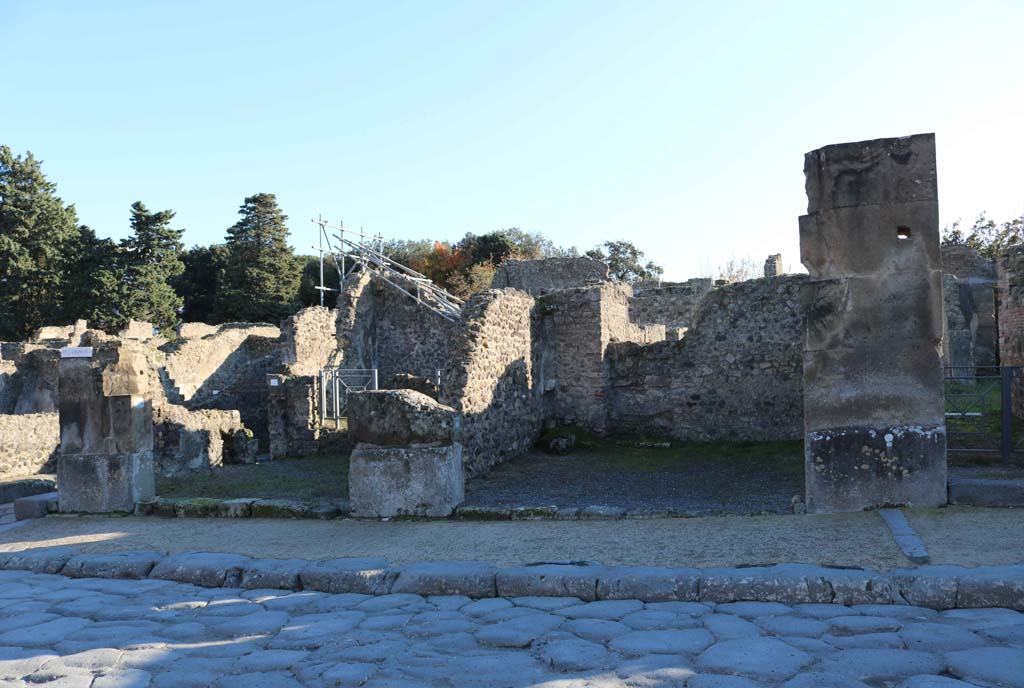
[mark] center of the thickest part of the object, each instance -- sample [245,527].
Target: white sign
[274,382]
[76,352]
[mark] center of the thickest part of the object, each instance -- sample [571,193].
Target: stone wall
[969,286]
[577,327]
[735,376]
[671,304]
[537,277]
[310,340]
[773,266]
[195,440]
[1011,318]
[380,327]
[28,444]
[490,378]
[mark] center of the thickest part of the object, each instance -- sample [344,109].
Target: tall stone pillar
[873,400]
[106,429]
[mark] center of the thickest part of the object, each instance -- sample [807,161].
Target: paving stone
[938,637]
[262,622]
[605,609]
[815,679]
[720,681]
[1003,666]
[877,665]
[689,608]
[126,678]
[597,630]
[864,624]
[934,587]
[486,606]
[824,611]
[977,619]
[758,658]
[22,620]
[518,632]
[812,646]
[992,586]
[471,578]
[386,622]
[449,602]
[753,609]
[310,632]
[1011,635]
[45,633]
[132,565]
[351,674]
[896,611]
[550,579]
[293,601]
[656,619]
[789,583]
[259,680]
[38,559]
[368,576]
[788,624]
[547,604]
[727,626]
[866,641]
[925,681]
[439,623]
[574,655]
[201,568]
[640,643]
[183,678]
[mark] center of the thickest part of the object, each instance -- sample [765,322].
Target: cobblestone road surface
[57,631]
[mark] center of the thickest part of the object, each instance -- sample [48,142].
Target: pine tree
[202,281]
[262,275]
[151,260]
[39,237]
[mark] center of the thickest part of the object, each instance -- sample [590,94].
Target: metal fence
[979,410]
[335,384]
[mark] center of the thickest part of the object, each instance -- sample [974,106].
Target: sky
[680,126]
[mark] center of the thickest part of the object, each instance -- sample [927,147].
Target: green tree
[986,237]
[201,281]
[151,260]
[309,295]
[39,241]
[625,261]
[262,276]
[99,288]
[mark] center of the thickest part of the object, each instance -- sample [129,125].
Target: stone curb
[936,587]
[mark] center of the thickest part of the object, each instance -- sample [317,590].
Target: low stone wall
[490,378]
[735,376]
[310,340]
[199,358]
[537,277]
[671,304]
[28,444]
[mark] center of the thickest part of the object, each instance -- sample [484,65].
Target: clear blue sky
[679,125]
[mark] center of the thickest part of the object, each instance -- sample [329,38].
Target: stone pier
[873,400]
[106,429]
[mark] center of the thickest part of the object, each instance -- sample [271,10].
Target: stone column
[106,429]
[773,265]
[873,400]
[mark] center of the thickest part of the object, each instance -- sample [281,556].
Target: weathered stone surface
[882,664]
[558,580]
[874,327]
[366,576]
[1001,666]
[419,480]
[671,641]
[471,578]
[759,658]
[537,277]
[28,443]
[278,508]
[272,573]
[95,483]
[131,565]
[35,506]
[986,491]
[574,655]
[648,584]
[399,417]
[37,560]
[202,568]
[992,586]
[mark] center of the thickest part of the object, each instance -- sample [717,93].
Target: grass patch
[307,479]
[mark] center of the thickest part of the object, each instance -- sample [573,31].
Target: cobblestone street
[102,633]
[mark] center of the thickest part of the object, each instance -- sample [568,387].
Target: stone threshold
[935,587]
[252,507]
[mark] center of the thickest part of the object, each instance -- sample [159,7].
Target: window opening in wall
[903,232]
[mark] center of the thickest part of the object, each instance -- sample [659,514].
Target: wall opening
[902,232]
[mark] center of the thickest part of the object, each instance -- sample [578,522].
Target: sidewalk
[964,536]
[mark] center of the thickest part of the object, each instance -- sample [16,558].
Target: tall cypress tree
[39,238]
[262,276]
[152,259]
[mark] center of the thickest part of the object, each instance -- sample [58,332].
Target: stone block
[934,587]
[102,483]
[850,468]
[986,491]
[202,568]
[550,580]
[130,565]
[37,559]
[198,507]
[992,586]
[36,506]
[787,584]
[470,578]
[365,576]
[282,574]
[419,480]
[857,586]
[399,417]
[649,584]
[236,508]
[16,489]
[278,508]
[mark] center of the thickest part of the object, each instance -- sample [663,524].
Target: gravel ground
[699,479]
[153,633]
[956,535]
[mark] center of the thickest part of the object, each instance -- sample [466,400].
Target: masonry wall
[735,376]
[969,286]
[1011,318]
[490,378]
[28,444]
[537,277]
[310,340]
[671,304]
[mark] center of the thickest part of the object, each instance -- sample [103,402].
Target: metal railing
[335,384]
[979,410]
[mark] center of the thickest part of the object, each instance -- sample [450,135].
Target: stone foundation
[28,444]
[417,480]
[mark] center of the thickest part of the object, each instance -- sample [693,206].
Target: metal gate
[335,384]
[979,411]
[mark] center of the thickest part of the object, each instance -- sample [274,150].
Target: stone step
[36,506]
[986,491]
[11,490]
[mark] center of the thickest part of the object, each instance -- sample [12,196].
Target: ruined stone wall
[578,326]
[490,380]
[959,325]
[311,340]
[974,340]
[28,444]
[735,376]
[1011,318]
[537,277]
[291,403]
[671,304]
[380,327]
[195,440]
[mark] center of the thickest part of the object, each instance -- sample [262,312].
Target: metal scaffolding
[367,253]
